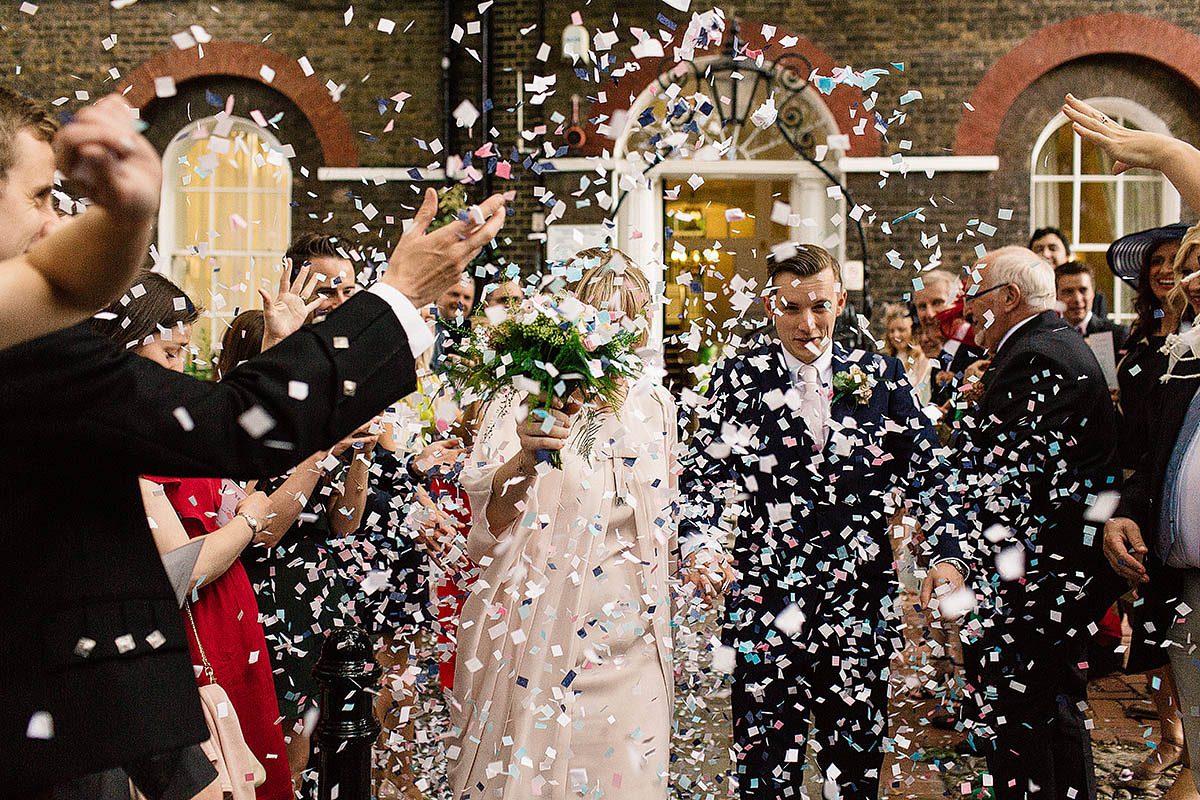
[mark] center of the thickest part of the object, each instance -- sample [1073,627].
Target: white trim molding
[379,174]
[928,164]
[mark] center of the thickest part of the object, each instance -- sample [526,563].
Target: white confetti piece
[41,726]
[266,73]
[1010,563]
[256,422]
[297,390]
[790,620]
[385,25]
[164,86]
[1103,508]
[125,643]
[305,65]
[28,8]
[184,418]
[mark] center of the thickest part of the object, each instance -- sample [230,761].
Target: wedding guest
[1153,507]
[53,275]
[1075,286]
[1147,259]
[1052,245]
[1040,445]
[564,677]
[949,356]
[809,440]
[71,715]
[898,342]
[451,317]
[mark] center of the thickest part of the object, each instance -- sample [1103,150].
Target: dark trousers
[174,775]
[772,704]
[1042,749]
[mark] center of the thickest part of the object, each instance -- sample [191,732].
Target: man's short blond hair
[19,113]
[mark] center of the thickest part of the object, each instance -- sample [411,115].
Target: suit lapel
[842,406]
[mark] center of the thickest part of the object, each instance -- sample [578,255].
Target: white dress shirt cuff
[420,338]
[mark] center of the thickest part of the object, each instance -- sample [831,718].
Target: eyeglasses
[967,315]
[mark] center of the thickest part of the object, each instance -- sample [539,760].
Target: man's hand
[709,572]
[102,154]
[1124,549]
[425,264]
[943,579]
[364,439]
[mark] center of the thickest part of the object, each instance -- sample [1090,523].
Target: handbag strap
[208,670]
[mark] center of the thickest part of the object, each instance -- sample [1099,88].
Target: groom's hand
[708,572]
[943,579]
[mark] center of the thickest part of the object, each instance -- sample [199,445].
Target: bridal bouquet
[553,348]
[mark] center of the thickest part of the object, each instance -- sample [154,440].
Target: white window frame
[1119,108]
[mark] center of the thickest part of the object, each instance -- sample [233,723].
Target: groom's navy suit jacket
[812,522]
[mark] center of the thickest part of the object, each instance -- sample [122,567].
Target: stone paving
[923,767]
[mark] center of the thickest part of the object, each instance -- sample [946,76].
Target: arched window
[1072,188]
[225,218]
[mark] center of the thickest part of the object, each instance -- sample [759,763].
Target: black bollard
[347,728]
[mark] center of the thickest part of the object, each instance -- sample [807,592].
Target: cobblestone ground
[923,767]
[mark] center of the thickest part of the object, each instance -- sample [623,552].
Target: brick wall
[946,49]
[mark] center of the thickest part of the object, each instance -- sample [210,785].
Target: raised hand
[1128,147]
[426,263]
[104,156]
[288,310]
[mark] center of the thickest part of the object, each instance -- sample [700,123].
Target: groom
[804,442]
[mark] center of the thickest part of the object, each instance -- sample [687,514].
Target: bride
[563,683]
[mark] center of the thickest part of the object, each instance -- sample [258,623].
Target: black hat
[1127,254]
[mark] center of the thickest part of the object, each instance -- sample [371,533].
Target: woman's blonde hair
[610,280]
[1176,303]
[915,362]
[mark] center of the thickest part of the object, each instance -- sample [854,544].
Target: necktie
[813,407]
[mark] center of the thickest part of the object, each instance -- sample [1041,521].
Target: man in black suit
[949,358]
[58,273]
[1076,289]
[1041,446]
[95,671]
[807,440]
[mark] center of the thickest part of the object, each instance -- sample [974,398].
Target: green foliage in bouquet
[553,349]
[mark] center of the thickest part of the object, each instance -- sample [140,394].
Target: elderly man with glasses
[1040,449]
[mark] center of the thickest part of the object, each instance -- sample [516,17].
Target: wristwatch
[255,525]
[957,563]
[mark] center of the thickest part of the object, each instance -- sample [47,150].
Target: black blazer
[1099,324]
[813,526]
[1154,612]
[93,639]
[1043,446]
[963,357]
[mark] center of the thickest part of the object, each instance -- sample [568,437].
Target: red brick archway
[1127,34]
[242,60]
[839,101]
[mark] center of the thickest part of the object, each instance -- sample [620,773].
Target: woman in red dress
[155,322]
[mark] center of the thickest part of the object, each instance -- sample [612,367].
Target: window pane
[1097,212]
[1094,161]
[1055,157]
[247,186]
[1052,204]
[1143,205]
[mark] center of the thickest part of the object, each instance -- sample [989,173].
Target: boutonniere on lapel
[854,385]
